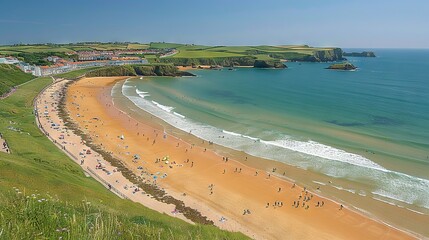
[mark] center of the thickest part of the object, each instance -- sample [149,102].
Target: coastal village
[86,59]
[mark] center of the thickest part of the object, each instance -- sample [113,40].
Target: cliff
[342,66]
[268,64]
[323,55]
[139,70]
[222,61]
[328,55]
[361,54]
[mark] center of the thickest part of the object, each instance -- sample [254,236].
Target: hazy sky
[342,23]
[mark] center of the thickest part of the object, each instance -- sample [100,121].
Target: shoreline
[73,144]
[203,198]
[322,194]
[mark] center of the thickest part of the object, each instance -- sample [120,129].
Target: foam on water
[344,189]
[302,154]
[142,94]
[385,201]
[231,133]
[415,211]
[163,107]
[324,151]
[178,114]
[240,135]
[320,183]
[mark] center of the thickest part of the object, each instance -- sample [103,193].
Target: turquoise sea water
[369,127]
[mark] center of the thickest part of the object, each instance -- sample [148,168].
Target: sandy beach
[234,195]
[93,164]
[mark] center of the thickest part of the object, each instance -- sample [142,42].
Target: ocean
[366,131]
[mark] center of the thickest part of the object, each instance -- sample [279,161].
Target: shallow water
[367,129]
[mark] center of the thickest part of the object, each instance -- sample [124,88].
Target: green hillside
[63,48]
[239,55]
[75,206]
[187,53]
[10,76]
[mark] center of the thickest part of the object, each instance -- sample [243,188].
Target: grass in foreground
[37,166]
[21,218]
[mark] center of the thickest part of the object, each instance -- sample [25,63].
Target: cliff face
[139,70]
[268,64]
[222,61]
[330,55]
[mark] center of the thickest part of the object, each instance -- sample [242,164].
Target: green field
[76,203]
[137,46]
[10,76]
[63,48]
[263,52]
[204,54]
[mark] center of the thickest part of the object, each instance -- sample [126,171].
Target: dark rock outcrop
[222,61]
[268,64]
[329,55]
[139,70]
[342,66]
[361,54]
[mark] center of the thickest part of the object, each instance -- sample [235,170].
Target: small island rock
[342,66]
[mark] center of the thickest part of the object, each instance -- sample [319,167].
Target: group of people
[5,147]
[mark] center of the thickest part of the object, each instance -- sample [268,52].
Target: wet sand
[259,203]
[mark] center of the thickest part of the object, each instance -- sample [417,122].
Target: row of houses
[63,66]
[8,60]
[25,67]
[66,66]
[111,55]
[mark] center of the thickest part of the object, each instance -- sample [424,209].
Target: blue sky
[342,23]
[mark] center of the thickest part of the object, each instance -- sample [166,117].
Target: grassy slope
[11,76]
[36,165]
